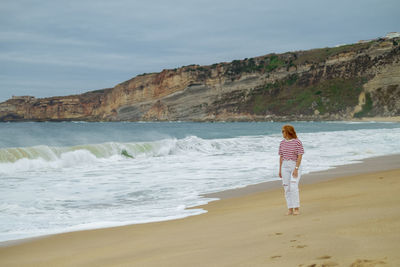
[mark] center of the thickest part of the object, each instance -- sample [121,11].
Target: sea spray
[66,185]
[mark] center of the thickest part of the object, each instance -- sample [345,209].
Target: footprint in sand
[367,263]
[325,264]
[276,256]
[301,246]
[294,240]
[278,233]
[325,257]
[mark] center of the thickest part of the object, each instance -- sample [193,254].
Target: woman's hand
[295,173]
[280,174]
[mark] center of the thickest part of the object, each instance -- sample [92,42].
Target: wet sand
[379,119]
[375,164]
[349,217]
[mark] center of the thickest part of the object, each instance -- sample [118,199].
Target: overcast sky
[56,47]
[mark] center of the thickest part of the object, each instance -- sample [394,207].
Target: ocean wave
[26,158]
[70,187]
[353,144]
[38,157]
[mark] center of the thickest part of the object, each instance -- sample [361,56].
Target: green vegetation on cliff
[322,54]
[288,97]
[366,108]
[266,64]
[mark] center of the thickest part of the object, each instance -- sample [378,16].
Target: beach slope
[348,221]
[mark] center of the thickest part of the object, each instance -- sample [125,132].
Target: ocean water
[60,177]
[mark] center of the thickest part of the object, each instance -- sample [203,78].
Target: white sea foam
[50,189]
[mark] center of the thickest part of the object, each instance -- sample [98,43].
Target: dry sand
[348,221]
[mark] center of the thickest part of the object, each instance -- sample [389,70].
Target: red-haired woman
[291,152]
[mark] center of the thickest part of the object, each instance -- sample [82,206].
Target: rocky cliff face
[322,84]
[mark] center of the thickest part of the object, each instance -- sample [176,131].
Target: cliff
[337,83]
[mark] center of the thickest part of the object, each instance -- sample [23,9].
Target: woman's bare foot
[289,212]
[296,211]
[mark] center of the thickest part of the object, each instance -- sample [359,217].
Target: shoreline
[378,119]
[391,119]
[367,165]
[340,225]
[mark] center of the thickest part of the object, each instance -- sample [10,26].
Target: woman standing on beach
[290,151]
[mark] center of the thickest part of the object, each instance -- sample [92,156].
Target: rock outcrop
[322,84]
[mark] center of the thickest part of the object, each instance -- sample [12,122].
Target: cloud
[29,38]
[101,43]
[92,61]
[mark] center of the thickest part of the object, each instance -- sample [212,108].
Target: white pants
[290,184]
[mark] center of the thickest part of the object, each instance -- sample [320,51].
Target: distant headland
[339,83]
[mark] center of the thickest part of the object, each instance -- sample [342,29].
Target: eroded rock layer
[343,82]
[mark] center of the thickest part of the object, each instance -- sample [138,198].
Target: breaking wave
[38,157]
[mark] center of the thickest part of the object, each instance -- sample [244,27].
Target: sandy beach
[349,217]
[378,119]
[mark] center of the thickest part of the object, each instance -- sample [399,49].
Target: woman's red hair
[290,132]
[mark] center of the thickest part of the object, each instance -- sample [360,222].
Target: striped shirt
[289,149]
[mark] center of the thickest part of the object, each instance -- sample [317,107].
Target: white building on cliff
[391,35]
